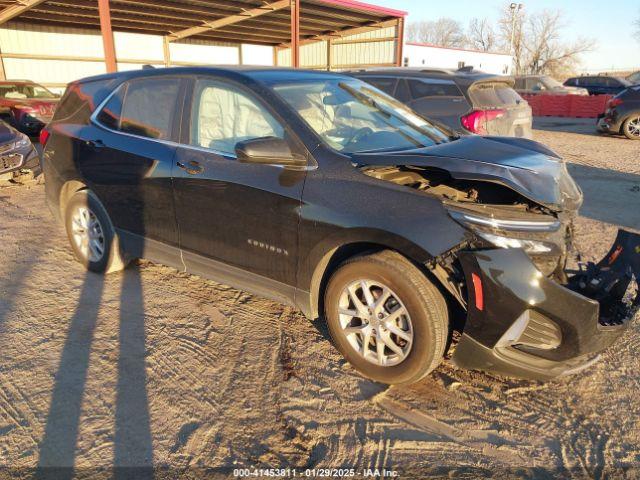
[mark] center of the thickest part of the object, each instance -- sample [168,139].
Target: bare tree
[537,42]
[481,35]
[444,32]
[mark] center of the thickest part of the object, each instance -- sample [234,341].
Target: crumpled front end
[521,323]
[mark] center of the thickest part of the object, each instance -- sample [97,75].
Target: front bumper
[520,323]
[19,159]
[609,124]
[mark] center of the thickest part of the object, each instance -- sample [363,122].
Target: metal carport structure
[282,24]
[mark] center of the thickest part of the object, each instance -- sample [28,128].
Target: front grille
[10,162]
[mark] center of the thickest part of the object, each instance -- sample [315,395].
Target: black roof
[264,74]
[465,76]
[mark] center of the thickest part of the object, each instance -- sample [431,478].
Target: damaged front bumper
[523,324]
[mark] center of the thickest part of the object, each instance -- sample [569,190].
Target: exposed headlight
[529,246]
[508,233]
[470,219]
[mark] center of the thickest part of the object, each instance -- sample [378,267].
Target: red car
[26,105]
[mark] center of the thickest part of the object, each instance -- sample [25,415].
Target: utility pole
[515,11]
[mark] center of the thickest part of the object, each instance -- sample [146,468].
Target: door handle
[192,168]
[94,143]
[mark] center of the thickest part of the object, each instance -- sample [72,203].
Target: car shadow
[609,196]
[133,449]
[57,449]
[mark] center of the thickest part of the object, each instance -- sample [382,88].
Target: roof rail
[436,70]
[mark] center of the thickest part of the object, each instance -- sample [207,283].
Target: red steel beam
[107,36]
[295,33]
[399,41]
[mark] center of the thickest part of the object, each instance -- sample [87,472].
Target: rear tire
[91,234]
[407,332]
[631,128]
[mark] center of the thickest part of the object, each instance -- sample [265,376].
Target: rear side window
[144,107]
[493,94]
[421,89]
[387,85]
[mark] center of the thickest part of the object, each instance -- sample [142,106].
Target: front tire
[91,234]
[387,319]
[631,128]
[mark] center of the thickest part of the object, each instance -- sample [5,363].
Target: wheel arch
[67,191]
[314,284]
[631,114]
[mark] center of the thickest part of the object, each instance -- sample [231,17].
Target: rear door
[514,118]
[439,100]
[236,220]
[127,155]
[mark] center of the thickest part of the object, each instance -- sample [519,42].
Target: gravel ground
[155,367]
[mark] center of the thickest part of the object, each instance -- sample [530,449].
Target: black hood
[8,133]
[525,166]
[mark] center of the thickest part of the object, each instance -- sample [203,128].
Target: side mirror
[268,151]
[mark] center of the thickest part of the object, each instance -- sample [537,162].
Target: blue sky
[608,22]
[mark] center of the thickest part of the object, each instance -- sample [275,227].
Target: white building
[427,55]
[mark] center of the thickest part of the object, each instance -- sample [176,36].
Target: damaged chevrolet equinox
[319,190]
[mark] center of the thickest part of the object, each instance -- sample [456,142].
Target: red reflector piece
[616,253]
[477,289]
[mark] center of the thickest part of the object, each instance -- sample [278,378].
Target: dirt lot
[154,367]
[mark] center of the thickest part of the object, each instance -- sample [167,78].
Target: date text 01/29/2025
[315,473]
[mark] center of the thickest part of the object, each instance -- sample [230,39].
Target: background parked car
[544,84]
[26,105]
[634,78]
[18,158]
[599,84]
[464,100]
[623,114]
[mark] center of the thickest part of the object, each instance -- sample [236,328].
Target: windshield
[20,91]
[551,83]
[352,116]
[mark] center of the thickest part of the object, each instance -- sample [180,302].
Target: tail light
[477,120]
[614,102]
[44,136]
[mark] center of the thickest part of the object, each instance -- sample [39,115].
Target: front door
[239,218]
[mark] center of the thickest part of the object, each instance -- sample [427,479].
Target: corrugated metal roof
[164,17]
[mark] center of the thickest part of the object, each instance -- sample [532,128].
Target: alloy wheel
[633,127]
[375,322]
[87,234]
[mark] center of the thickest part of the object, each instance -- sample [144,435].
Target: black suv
[464,100]
[622,115]
[599,84]
[319,190]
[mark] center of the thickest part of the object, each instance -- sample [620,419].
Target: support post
[329,60]
[3,75]
[166,49]
[276,50]
[399,41]
[240,60]
[107,36]
[295,33]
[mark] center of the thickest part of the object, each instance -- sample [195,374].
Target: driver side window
[223,115]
